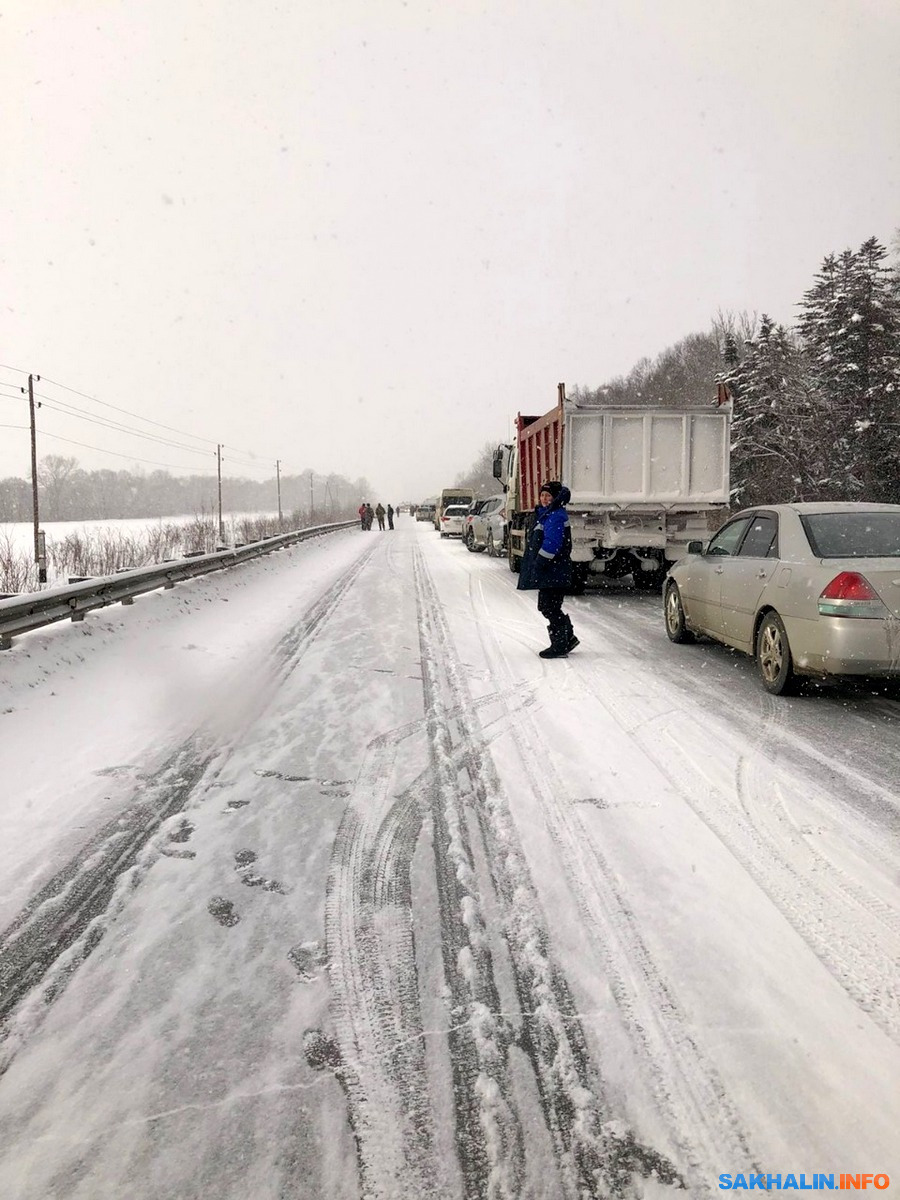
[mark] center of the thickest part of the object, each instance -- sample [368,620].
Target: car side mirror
[498,464]
[695,547]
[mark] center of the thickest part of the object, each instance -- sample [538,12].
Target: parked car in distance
[452,520]
[425,511]
[485,527]
[807,589]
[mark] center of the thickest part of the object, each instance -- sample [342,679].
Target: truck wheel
[515,563]
[773,656]
[676,627]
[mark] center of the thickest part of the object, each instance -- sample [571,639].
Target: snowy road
[316,881]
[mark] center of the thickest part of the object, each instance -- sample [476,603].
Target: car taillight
[850,595]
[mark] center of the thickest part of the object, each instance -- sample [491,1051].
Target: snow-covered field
[21,533]
[317,881]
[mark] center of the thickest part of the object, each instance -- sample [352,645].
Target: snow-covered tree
[850,329]
[773,448]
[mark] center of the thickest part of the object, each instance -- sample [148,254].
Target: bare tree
[54,475]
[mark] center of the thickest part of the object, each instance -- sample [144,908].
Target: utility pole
[278,478]
[219,461]
[38,556]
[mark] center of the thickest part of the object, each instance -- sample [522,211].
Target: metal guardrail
[19,614]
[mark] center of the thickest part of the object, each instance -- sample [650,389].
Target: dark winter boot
[554,652]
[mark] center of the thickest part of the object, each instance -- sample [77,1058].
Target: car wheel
[648,581]
[470,542]
[490,544]
[444,535]
[676,626]
[773,656]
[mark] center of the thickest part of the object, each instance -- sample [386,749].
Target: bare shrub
[105,550]
[199,535]
[17,572]
[254,529]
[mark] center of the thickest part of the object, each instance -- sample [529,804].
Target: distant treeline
[66,492]
[816,405]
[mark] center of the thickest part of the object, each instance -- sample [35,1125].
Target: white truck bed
[631,457]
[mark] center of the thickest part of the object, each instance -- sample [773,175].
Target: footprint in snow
[307,958]
[280,775]
[181,833]
[243,864]
[223,911]
[321,1052]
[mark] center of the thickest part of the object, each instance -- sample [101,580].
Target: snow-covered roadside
[109,698]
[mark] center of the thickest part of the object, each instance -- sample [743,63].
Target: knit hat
[554,487]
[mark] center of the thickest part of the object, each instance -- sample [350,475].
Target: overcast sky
[360,235]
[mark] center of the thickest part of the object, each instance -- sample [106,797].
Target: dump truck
[644,480]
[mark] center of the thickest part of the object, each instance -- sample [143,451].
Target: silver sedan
[807,589]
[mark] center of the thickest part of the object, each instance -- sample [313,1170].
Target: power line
[129,413]
[60,406]
[71,410]
[251,459]
[118,454]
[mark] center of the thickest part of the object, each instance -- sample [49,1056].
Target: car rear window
[455,510]
[853,535]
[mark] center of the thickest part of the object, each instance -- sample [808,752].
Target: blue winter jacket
[547,562]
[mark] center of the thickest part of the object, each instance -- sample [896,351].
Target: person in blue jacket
[547,566]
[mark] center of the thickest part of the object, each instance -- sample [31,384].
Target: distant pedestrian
[379,513]
[370,516]
[390,516]
[362,515]
[547,566]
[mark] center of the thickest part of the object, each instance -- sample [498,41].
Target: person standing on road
[390,516]
[379,513]
[547,566]
[362,515]
[370,516]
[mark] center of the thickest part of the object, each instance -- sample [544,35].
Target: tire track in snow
[849,930]
[61,926]
[372,971]
[690,1094]
[595,1156]
[488,1131]
[630,629]
[373,975]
